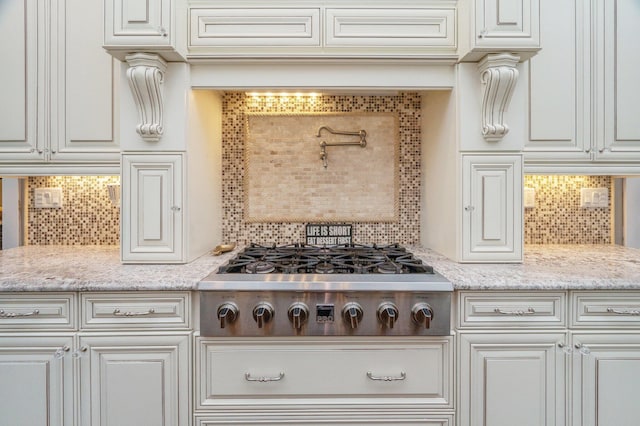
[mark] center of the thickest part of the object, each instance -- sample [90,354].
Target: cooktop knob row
[352,314]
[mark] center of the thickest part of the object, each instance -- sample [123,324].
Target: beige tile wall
[236,107]
[87,217]
[558,218]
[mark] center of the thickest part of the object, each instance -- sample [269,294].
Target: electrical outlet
[48,198]
[594,197]
[529,198]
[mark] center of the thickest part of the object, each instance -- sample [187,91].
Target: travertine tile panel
[286,181]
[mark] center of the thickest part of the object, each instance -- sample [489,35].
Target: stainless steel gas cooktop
[349,289]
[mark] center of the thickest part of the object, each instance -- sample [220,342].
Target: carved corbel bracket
[498,74]
[145,75]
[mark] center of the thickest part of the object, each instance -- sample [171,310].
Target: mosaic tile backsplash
[87,216]
[236,107]
[558,218]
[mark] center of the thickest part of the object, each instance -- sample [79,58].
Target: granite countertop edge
[98,269]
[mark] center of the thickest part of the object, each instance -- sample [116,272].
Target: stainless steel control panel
[322,313]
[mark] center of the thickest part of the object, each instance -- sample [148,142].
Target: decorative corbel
[145,75]
[498,74]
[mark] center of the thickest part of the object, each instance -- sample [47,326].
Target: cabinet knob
[175,208]
[469,208]
[162,31]
[482,33]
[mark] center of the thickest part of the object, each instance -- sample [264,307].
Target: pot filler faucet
[324,144]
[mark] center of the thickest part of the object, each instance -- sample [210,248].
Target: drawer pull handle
[118,313]
[402,376]
[634,312]
[248,377]
[4,314]
[517,312]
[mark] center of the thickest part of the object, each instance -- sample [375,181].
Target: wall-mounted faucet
[362,134]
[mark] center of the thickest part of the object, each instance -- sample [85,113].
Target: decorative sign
[327,235]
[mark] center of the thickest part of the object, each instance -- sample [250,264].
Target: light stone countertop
[95,268]
[98,268]
[546,267]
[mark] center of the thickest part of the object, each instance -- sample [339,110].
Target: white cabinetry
[148,26]
[353,29]
[36,369]
[319,380]
[512,366]
[499,25]
[37,379]
[512,379]
[520,362]
[60,104]
[133,377]
[582,91]
[492,200]
[152,208]
[606,367]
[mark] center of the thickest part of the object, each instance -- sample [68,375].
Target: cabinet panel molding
[390,27]
[255,27]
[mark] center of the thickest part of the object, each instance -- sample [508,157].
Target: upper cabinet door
[617,83]
[489,26]
[19,44]
[143,25]
[492,217]
[83,86]
[559,85]
[507,23]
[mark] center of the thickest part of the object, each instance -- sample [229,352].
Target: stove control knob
[263,313]
[422,314]
[298,314]
[387,314]
[227,313]
[352,313]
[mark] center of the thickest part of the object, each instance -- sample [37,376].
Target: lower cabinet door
[152,208]
[509,379]
[134,380]
[36,380]
[492,212]
[606,375]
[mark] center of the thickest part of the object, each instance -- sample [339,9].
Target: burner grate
[340,259]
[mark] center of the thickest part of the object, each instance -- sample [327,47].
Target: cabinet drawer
[254,27]
[512,310]
[610,309]
[391,27]
[133,310]
[322,418]
[410,370]
[50,311]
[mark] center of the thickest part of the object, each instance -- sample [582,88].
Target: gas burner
[389,268]
[324,268]
[260,267]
